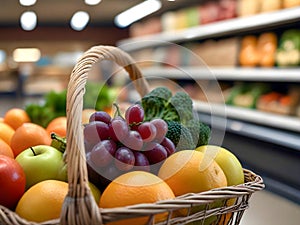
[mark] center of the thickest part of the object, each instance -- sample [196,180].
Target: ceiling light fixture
[28,20]
[79,20]
[92,2]
[27,2]
[26,54]
[137,12]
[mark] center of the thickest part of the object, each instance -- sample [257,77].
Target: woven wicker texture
[79,207]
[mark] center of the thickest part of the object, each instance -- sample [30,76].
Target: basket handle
[79,206]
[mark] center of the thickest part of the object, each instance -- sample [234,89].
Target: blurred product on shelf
[290,3]
[258,51]
[205,13]
[288,53]
[248,54]
[279,103]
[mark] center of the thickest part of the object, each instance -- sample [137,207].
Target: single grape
[124,159]
[133,141]
[103,153]
[96,131]
[141,161]
[147,131]
[134,114]
[148,146]
[169,145]
[157,154]
[161,129]
[100,116]
[118,129]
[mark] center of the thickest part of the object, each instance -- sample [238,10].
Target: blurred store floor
[267,208]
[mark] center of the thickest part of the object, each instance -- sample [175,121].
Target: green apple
[95,192]
[229,163]
[42,162]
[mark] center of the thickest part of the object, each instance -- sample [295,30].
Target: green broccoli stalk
[200,132]
[180,136]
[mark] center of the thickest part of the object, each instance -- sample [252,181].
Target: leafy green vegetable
[54,106]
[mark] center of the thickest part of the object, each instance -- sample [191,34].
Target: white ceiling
[59,12]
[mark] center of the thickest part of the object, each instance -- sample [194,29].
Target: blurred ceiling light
[27,2]
[79,20]
[137,12]
[26,54]
[28,20]
[92,2]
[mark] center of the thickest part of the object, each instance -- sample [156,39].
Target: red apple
[12,182]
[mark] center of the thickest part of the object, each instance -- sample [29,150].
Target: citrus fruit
[43,201]
[6,132]
[229,163]
[95,192]
[188,171]
[29,135]
[58,126]
[12,182]
[5,149]
[133,188]
[15,117]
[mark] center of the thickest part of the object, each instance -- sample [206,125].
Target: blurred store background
[238,59]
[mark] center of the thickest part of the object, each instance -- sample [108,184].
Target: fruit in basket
[28,135]
[12,182]
[5,149]
[58,126]
[42,162]
[229,163]
[189,171]
[130,143]
[43,201]
[133,188]
[6,132]
[15,117]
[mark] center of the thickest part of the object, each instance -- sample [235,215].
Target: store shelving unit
[217,29]
[227,73]
[266,142]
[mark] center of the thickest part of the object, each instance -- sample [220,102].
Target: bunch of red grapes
[117,145]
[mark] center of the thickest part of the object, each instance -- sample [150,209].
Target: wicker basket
[80,208]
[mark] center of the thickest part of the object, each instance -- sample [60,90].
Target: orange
[58,126]
[28,135]
[134,188]
[43,201]
[188,171]
[5,149]
[6,132]
[1,120]
[16,117]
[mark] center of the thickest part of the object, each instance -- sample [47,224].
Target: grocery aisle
[267,208]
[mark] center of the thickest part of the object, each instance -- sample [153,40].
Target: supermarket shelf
[225,73]
[249,115]
[217,29]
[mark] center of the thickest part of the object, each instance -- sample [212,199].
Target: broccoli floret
[156,105]
[200,132]
[180,136]
[160,103]
[183,104]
